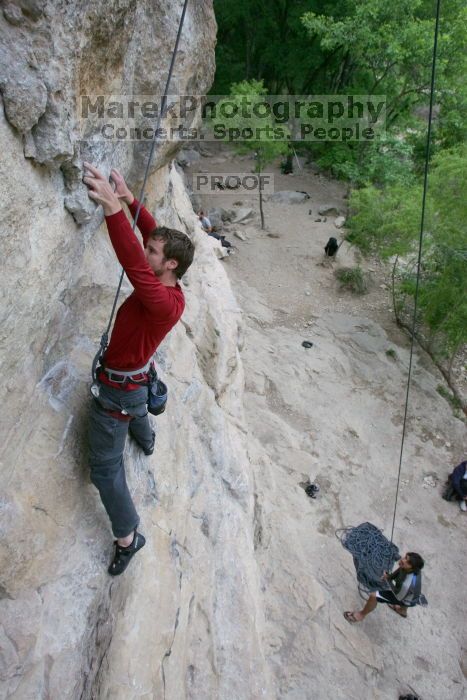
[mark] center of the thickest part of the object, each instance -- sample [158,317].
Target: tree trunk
[261,209]
[393,288]
[259,169]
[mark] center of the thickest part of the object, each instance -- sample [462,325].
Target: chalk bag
[157,396]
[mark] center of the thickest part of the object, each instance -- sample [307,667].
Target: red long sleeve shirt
[149,313]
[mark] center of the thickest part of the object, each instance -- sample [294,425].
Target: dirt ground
[333,414]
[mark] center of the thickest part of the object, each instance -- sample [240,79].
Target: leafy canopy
[387,222]
[258,131]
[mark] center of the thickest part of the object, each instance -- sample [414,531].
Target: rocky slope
[333,414]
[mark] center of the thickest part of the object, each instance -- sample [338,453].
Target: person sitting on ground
[206,224]
[406,588]
[331,247]
[456,488]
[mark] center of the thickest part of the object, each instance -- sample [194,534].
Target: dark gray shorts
[389,598]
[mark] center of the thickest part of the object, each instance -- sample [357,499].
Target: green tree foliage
[443,296]
[261,127]
[386,48]
[354,46]
[266,40]
[371,47]
[261,143]
[388,222]
[387,161]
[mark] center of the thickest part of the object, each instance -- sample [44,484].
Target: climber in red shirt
[141,323]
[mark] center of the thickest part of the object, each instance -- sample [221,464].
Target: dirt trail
[333,413]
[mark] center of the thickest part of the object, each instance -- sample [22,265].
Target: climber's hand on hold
[121,188]
[100,190]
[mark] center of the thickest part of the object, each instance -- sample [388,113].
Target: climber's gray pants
[107,436]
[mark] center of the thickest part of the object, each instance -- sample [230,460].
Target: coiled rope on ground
[372,553]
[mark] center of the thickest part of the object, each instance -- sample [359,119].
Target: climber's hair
[416,561]
[177,246]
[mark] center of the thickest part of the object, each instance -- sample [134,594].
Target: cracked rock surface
[59,59]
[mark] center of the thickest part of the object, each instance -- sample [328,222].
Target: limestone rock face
[186,620]
[56,55]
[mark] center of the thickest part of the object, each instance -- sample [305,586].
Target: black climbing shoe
[123,555]
[149,450]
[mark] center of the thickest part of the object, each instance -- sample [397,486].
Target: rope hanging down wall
[105,337]
[372,552]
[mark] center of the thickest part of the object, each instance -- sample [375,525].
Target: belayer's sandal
[123,555]
[350,617]
[399,612]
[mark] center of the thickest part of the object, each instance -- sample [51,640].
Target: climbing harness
[372,552]
[105,337]
[135,376]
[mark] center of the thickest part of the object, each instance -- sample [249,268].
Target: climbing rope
[372,552]
[419,259]
[105,337]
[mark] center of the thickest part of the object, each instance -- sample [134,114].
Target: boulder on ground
[242,236]
[339,222]
[218,215]
[289,197]
[187,157]
[330,209]
[228,214]
[215,219]
[250,232]
[221,252]
[204,152]
[242,214]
